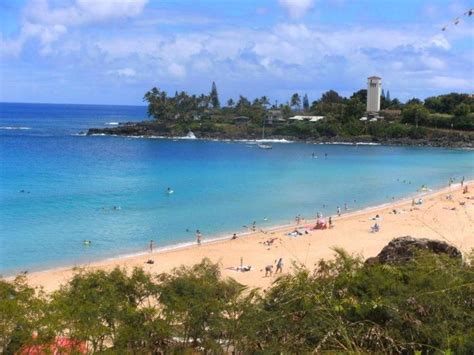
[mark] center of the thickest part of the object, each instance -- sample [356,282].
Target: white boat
[264,145]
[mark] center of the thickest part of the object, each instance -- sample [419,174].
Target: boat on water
[264,145]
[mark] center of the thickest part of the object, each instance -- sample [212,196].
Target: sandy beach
[446,214]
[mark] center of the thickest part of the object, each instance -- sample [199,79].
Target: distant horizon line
[58,103]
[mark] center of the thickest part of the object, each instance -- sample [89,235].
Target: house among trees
[241,120]
[274,118]
[306,118]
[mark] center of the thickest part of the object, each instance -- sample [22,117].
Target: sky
[113,51]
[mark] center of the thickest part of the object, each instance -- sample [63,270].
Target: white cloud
[82,11]
[440,41]
[48,24]
[105,9]
[283,56]
[177,70]
[433,62]
[296,8]
[287,48]
[123,72]
[452,83]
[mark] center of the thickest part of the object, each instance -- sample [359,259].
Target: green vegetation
[344,305]
[440,119]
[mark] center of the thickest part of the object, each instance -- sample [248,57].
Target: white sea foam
[367,143]
[256,141]
[273,141]
[14,128]
[112,123]
[349,143]
[190,135]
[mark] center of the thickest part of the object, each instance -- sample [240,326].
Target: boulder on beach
[403,249]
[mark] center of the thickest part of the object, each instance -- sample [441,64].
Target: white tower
[374,90]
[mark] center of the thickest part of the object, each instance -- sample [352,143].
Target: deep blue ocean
[58,188]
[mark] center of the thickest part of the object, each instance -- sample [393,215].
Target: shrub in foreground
[343,305]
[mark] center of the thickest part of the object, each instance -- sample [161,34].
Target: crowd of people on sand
[299,231]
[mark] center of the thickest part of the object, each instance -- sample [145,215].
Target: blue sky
[112,51]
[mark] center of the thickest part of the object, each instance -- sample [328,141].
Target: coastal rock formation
[402,249]
[212,131]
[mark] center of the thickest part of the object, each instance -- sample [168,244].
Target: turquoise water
[72,184]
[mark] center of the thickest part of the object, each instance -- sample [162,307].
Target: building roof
[374,77]
[306,118]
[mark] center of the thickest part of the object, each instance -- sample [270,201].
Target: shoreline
[408,142]
[216,238]
[51,278]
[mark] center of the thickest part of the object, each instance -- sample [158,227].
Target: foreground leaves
[344,305]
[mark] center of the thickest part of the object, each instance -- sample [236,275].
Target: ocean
[59,187]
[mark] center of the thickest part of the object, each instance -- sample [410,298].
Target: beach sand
[438,217]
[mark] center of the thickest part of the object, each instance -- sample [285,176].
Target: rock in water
[402,249]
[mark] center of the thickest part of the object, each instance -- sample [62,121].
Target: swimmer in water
[87,242]
[169,191]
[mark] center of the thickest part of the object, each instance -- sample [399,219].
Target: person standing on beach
[151,246]
[330,222]
[298,219]
[198,237]
[268,270]
[279,266]
[338,211]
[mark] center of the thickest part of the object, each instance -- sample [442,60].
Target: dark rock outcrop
[403,249]
[163,129]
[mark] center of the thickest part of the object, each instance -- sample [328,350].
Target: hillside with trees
[444,120]
[420,306]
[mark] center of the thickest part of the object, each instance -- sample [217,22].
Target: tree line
[444,111]
[344,305]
